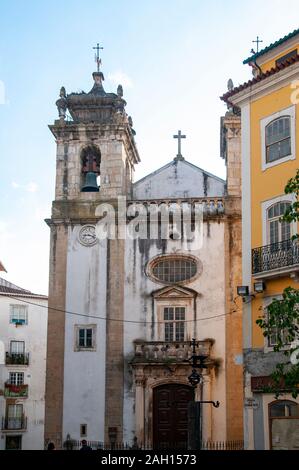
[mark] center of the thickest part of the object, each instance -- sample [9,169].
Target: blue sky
[173,57]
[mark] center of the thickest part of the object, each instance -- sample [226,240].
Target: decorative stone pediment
[174,292]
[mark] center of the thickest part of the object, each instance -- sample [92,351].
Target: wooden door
[170,426]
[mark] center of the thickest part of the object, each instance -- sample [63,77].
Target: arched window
[278,139]
[278,231]
[90,168]
[91,159]
[283,409]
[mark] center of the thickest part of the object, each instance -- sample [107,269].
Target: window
[174,270]
[83,430]
[278,139]
[278,231]
[14,416]
[85,337]
[13,443]
[16,378]
[174,326]
[283,409]
[19,314]
[275,335]
[17,347]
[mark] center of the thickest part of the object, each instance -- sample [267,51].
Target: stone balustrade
[162,351]
[210,206]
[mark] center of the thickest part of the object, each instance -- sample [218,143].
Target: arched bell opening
[90,164]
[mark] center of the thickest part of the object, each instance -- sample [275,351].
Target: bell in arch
[90,185]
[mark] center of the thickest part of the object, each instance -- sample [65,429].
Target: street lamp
[194,412]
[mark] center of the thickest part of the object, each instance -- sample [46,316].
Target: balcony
[14,424]
[168,352]
[275,260]
[15,391]
[17,359]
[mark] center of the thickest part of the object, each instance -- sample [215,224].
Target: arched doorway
[284,424]
[170,416]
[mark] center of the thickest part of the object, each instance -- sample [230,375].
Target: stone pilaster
[56,330]
[114,342]
[231,151]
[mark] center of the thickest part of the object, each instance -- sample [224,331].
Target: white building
[23,334]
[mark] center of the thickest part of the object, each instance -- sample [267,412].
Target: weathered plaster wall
[178,179]
[84,373]
[139,305]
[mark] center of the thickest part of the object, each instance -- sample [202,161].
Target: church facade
[124,308]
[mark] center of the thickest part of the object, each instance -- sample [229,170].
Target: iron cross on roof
[179,136]
[97,56]
[257,41]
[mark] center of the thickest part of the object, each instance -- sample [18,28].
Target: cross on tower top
[179,136]
[257,41]
[97,56]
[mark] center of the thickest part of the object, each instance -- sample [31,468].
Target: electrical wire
[143,322]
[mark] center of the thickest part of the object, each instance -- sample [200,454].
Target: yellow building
[270,138]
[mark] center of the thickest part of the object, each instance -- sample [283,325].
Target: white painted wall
[211,301]
[34,334]
[84,372]
[178,179]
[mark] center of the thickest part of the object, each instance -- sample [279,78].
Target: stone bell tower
[96,155]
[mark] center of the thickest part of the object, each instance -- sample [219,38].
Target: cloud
[120,78]
[30,187]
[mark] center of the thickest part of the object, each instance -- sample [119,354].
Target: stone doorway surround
[160,363]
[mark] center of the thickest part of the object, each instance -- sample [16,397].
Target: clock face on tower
[87,235]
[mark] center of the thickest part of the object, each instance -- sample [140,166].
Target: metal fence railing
[205,445]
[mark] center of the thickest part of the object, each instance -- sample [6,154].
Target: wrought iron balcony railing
[275,256]
[14,424]
[16,358]
[11,390]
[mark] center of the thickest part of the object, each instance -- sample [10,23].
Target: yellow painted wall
[271,63]
[265,185]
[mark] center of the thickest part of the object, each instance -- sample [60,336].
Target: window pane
[14,411]
[168,313]
[274,235]
[277,130]
[82,338]
[285,148]
[16,378]
[180,331]
[180,313]
[175,270]
[17,347]
[285,231]
[168,331]
[89,338]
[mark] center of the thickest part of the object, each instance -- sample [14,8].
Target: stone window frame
[176,323]
[286,112]
[184,300]
[266,205]
[172,257]
[79,327]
